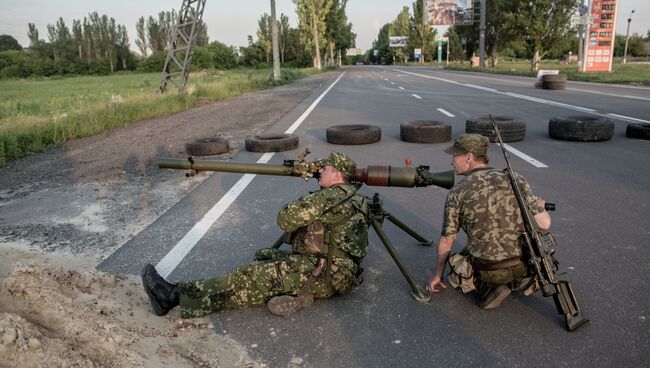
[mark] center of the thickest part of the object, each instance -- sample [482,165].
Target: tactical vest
[343,226]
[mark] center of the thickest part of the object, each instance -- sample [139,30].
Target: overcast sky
[231,22]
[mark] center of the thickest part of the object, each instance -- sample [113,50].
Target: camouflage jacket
[343,212]
[485,207]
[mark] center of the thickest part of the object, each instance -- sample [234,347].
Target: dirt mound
[51,316]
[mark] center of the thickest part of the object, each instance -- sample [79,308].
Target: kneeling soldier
[485,207]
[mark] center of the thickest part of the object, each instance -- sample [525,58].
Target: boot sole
[285,305]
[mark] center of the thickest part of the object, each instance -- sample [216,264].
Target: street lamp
[627,34]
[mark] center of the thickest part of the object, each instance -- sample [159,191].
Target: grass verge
[35,114]
[638,74]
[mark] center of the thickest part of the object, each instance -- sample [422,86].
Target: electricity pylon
[179,56]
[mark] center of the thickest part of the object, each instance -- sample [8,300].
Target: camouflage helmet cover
[466,143]
[340,162]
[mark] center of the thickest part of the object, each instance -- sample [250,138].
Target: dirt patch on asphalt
[64,211]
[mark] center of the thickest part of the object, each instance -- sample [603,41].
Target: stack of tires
[554,81]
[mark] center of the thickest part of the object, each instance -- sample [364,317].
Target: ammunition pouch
[313,241]
[507,271]
[485,265]
[461,273]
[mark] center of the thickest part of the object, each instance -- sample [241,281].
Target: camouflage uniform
[342,215]
[485,207]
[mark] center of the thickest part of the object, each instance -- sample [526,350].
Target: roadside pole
[481,62]
[274,42]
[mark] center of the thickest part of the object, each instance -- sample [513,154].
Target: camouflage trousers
[255,283]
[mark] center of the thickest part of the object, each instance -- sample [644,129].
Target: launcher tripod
[377,217]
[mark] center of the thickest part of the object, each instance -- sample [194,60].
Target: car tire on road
[271,142]
[425,131]
[353,134]
[640,131]
[581,128]
[207,146]
[513,129]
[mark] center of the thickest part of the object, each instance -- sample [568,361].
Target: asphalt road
[601,189]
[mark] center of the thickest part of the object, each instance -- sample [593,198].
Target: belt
[486,265]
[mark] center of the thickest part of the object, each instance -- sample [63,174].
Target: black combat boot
[163,295]
[494,296]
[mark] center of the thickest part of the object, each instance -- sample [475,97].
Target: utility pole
[179,57]
[627,35]
[481,62]
[581,31]
[274,42]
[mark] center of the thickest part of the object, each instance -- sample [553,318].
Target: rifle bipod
[377,216]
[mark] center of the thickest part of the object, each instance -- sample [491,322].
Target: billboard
[599,48]
[398,41]
[449,12]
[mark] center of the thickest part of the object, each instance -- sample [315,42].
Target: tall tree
[9,43]
[421,35]
[312,15]
[141,39]
[32,34]
[77,37]
[339,31]
[544,25]
[201,30]
[264,34]
[122,43]
[283,35]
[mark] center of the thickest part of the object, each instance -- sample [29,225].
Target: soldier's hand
[436,281]
[423,176]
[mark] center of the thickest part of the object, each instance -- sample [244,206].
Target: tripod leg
[416,291]
[408,230]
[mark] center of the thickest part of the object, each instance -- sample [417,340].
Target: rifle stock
[539,247]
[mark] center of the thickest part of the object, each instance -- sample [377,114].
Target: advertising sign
[398,41]
[449,12]
[599,48]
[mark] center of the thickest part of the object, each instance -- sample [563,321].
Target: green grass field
[621,73]
[35,114]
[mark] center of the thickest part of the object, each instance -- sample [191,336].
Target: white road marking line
[416,96]
[445,112]
[392,82]
[547,102]
[402,88]
[524,156]
[170,261]
[524,97]
[628,118]
[480,87]
[637,97]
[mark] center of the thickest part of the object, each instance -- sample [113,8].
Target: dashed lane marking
[446,112]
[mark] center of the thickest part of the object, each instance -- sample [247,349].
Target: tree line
[520,29]
[97,44]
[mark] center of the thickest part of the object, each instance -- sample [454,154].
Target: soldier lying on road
[329,238]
